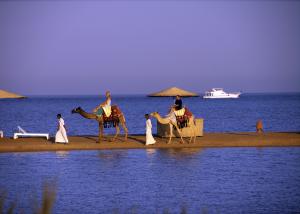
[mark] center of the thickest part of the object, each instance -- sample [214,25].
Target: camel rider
[178,103]
[175,109]
[105,106]
[179,110]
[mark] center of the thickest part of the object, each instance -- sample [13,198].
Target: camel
[100,120]
[168,120]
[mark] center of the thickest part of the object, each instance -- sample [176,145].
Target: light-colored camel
[100,120]
[172,123]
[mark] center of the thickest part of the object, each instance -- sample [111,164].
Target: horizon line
[86,94]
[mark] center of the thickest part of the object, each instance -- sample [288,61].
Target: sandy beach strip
[245,139]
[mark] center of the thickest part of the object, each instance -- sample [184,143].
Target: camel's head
[76,110]
[153,114]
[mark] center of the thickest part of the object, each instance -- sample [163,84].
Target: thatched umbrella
[172,92]
[6,94]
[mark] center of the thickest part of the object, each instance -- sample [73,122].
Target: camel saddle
[113,119]
[182,117]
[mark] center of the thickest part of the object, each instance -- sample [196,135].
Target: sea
[280,112]
[190,180]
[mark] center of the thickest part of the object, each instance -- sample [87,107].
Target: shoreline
[209,140]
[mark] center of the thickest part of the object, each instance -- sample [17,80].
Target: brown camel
[173,123]
[100,120]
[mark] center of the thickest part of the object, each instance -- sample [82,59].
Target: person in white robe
[149,138]
[61,134]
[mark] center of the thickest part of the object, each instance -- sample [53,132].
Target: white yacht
[216,93]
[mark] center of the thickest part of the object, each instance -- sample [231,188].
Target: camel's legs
[171,133]
[179,132]
[100,132]
[191,127]
[123,124]
[194,132]
[117,132]
[194,129]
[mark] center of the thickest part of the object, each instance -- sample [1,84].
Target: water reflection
[150,152]
[260,151]
[180,153]
[62,154]
[112,154]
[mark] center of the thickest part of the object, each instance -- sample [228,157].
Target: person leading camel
[61,134]
[149,137]
[105,106]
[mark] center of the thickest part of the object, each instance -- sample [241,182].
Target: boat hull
[221,97]
[228,96]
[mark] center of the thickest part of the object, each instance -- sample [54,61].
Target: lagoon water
[279,112]
[224,180]
[229,180]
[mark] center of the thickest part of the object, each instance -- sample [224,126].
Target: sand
[209,140]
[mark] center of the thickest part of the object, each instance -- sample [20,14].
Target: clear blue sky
[87,47]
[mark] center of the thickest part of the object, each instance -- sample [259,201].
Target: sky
[139,47]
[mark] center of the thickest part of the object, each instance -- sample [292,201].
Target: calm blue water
[279,112]
[228,180]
